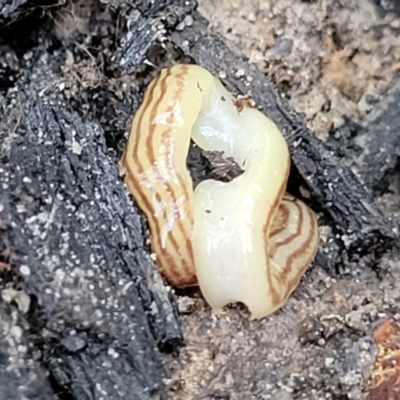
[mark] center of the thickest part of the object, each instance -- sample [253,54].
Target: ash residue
[21,374]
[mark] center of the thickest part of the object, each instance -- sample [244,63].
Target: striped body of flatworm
[241,241]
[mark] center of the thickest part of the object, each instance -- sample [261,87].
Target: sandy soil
[331,59]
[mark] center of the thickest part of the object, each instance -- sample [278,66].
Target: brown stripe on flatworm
[148,99]
[185,269]
[281,278]
[305,244]
[144,204]
[301,249]
[275,297]
[305,247]
[167,185]
[287,266]
[297,233]
[135,161]
[281,221]
[282,214]
[170,267]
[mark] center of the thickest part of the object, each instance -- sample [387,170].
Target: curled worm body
[240,240]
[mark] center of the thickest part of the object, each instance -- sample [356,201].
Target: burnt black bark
[21,375]
[379,142]
[75,242]
[148,23]
[10,7]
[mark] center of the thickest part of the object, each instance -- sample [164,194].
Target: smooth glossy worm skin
[242,240]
